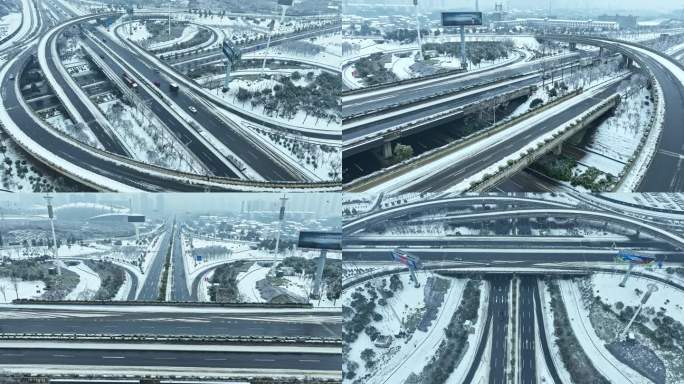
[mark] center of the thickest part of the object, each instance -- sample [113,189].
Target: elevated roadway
[171,321]
[457,170]
[663,172]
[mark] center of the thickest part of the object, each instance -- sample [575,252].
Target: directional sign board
[136,218]
[320,240]
[198,258]
[231,51]
[458,19]
[285,2]
[406,259]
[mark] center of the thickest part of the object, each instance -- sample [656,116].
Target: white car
[192,109]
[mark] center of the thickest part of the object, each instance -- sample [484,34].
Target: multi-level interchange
[342,191]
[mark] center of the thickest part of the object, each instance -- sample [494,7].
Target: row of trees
[476,51]
[318,99]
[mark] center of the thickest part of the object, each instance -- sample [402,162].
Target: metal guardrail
[423,99]
[165,303]
[171,339]
[402,82]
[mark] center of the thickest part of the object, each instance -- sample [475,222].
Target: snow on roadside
[125,288]
[604,361]
[247,283]
[606,286]
[24,290]
[88,284]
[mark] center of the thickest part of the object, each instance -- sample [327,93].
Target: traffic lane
[418,90]
[470,166]
[360,131]
[75,155]
[504,256]
[526,324]
[108,142]
[132,358]
[527,180]
[548,357]
[263,164]
[502,242]
[209,160]
[172,324]
[180,287]
[150,289]
[499,292]
[665,173]
[134,286]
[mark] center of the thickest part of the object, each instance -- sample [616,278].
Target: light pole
[51,216]
[420,43]
[281,216]
[284,4]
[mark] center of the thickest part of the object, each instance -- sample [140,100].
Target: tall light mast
[285,4]
[51,216]
[281,217]
[420,42]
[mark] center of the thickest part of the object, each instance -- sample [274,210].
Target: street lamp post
[420,43]
[284,4]
[51,216]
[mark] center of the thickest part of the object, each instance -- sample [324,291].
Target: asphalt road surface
[461,170]
[526,337]
[150,288]
[179,286]
[104,357]
[198,323]
[499,303]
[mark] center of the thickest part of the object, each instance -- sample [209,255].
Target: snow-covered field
[88,284]
[24,289]
[9,23]
[404,356]
[147,139]
[75,250]
[667,297]
[247,283]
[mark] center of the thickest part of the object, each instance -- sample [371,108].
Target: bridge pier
[558,150]
[601,52]
[387,150]
[573,46]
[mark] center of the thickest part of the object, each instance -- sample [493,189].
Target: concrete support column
[573,46]
[558,150]
[387,150]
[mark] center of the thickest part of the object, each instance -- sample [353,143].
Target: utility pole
[51,216]
[169,19]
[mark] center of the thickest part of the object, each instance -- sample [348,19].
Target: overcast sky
[652,6]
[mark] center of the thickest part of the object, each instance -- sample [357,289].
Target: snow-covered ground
[188,33]
[63,124]
[403,357]
[604,361]
[75,250]
[247,283]
[667,297]
[320,161]
[9,23]
[21,290]
[125,288]
[88,284]
[147,139]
